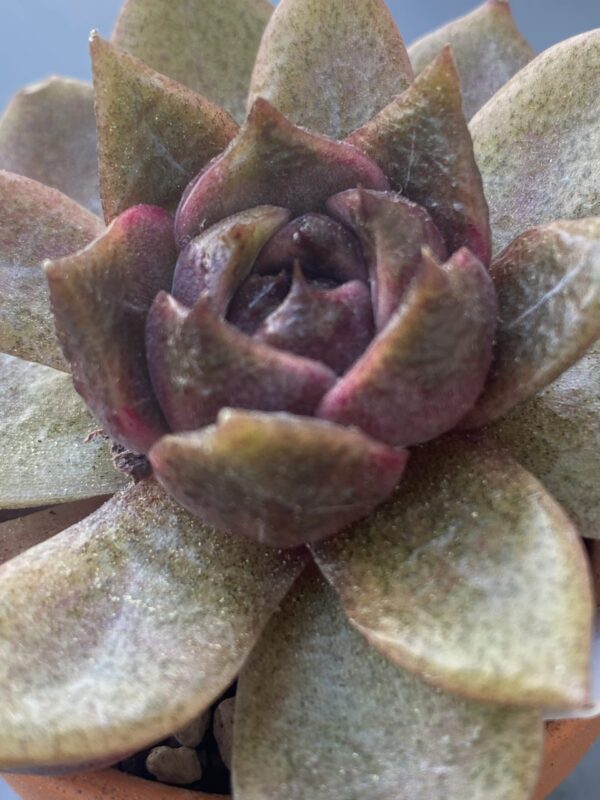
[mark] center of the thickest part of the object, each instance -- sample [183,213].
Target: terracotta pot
[566,744]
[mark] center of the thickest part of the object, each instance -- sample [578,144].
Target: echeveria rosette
[310,337]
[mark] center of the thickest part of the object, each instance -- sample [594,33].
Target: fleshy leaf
[488,47]
[548,287]
[472,576]
[199,364]
[336,720]
[393,232]
[537,143]
[36,223]
[48,133]
[44,455]
[209,47]
[350,49]
[275,163]
[18,535]
[26,321]
[215,263]
[556,435]
[425,370]
[154,135]
[333,326]
[319,245]
[100,298]
[279,479]
[39,222]
[422,143]
[124,628]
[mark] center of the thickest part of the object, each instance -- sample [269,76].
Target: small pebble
[194,732]
[177,765]
[223,729]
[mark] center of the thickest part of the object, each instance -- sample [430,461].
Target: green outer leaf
[18,535]
[331,65]
[48,133]
[38,222]
[556,435]
[548,287]
[209,46]
[124,628]
[26,321]
[537,142]
[44,458]
[154,134]
[321,715]
[488,47]
[473,577]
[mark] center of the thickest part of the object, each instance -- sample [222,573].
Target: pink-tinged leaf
[209,47]
[333,326]
[393,232]
[279,479]
[537,142]
[488,47]
[275,163]
[323,249]
[556,435]
[215,263]
[330,65]
[321,715]
[426,369]
[472,577]
[422,143]
[101,297]
[48,453]
[124,628]
[256,298]
[154,135]
[36,223]
[199,364]
[48,133]
[548,287]
[18,535]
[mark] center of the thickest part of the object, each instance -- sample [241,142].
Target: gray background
[40,37]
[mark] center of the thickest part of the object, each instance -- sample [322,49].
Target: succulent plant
[321,326]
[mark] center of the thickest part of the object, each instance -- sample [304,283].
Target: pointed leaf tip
[489,50]
[427,367]
[276,478]
[154,134]
[422,143]
[351,49]
[273,162]
[101,297]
